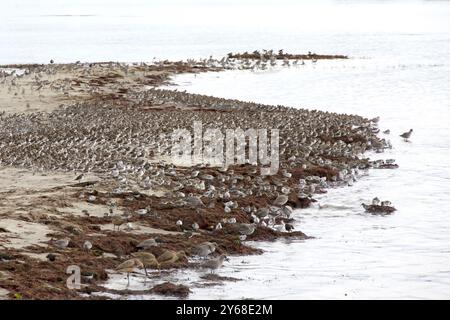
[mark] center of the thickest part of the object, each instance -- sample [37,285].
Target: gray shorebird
[214,264]
[146,244]
[61,243]
[281,200]
[406,135]
[87,245]
[204,249]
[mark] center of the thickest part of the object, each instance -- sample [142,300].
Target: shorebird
[146,244]
[375,201]
[87,245]
[246,228]
[281,227]
[169,256]
[117,221]
[147,259]
[387,131]
[281,200]
[204,249]
[289,227]
[129,266]
[262,212]
[195,226]
[214,264]
[406,135]
[61,243]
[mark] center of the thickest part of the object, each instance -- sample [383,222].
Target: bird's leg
[128,276]
[146,273]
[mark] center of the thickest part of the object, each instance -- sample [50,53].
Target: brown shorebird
[117,221]
[129,266]
[406,135]
[147,259]
[169,256]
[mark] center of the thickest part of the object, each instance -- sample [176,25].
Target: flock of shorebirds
[129,145]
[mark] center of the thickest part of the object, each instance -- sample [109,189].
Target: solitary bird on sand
[146,244]
[169,256]
[214,264]
[147,259]
[117,221]
[406,135]
[204,249]
[129,266]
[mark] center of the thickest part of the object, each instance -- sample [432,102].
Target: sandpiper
[281,200]
[117,221]
[246,228]
[204,249]
[146,244]
[87,245]
[406,135]
[147,259]
[61,243]
[215,263]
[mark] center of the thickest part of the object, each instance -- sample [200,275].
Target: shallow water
[399,70]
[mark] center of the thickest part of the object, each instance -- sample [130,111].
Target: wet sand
[56,106]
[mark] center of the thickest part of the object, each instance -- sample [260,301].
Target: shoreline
[107,113]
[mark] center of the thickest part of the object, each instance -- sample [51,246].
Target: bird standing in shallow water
[129,266]
[147,259]
[406,135]
[215,263]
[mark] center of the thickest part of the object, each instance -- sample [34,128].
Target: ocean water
[399,70]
